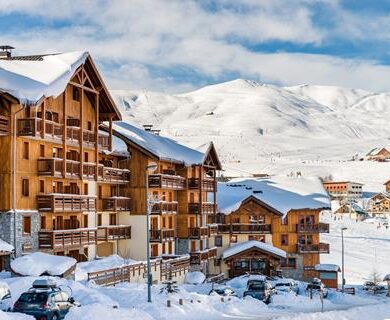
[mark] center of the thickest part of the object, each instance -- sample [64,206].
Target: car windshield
[33,297]
[314,286]
[282,285]
[256,286]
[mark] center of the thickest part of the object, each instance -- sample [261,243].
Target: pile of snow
[327,267]
[281,193]
[39,263]
[113,261]
[31,80]
[5,246]
[14,316]
[195,277]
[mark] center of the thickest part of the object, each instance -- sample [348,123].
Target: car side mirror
[71,300]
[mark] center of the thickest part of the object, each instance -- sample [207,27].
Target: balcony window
[99,219]
[76,94]
[218,241]
[26,150]
[43,222]
[25,187]
[26,225]
[41,186]
[42,150]
[284,239]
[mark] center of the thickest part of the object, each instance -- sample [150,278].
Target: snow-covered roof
[281,193]
[163,148]
[327,267]
[387,277]
[29,80]
[243,246]
[376,151]
[39,263]
[5,246]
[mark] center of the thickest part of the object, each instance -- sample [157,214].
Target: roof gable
[252,245]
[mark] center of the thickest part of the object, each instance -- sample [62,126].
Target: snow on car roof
[240,247]
[163,148]
[30,80]
[279,192]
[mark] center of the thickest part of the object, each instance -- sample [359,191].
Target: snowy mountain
[265,128]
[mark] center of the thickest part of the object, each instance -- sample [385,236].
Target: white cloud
[128,37]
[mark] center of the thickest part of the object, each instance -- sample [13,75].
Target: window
[42,150]
[99,219]
[85,217]
[218,241]
[43,222]
[284,239]
[85,188]
[163,248]
[288,263]
[170,247]
[27,225]
[86,157]
[41,186]
[89,125]
[233,239]
[257,238]
[112,219]
[100,193]
[25,188]
[76,94]
[26,151]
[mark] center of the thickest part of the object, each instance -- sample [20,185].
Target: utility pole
[342,259]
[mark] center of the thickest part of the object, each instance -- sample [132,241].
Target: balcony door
[154,223]
[306,220]
[305,239]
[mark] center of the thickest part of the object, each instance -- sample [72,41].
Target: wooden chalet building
[379,204]
[59,175]
[281,213]
[183,190]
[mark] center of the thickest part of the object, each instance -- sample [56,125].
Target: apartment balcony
[66,203]
[313,248]
[198,232]
[54,167]
[313,228]
[199,208]
[34,127]
[59,240]
[103,141]
[113,175]
[166,181]
[4,126]
[208,184]
[245,228]
[196,258]
[108,233]
[164,207]
[161,235]
[116,204]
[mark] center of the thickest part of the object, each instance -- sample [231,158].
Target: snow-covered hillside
[261,128]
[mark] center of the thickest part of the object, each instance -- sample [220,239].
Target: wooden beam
[97,136]
[43,111]
[83,87]
[65,131]
[110,134]
[81,135]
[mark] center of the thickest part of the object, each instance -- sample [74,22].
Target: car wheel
[54,317]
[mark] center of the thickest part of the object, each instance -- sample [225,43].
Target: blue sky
[179,45]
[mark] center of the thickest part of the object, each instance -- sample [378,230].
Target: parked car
[315,287]
[44,301]
[286,285]
[373,287]
[5,297]
[259,289]
[223,291]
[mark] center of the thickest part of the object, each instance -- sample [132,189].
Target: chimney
[5,51]
[148,127]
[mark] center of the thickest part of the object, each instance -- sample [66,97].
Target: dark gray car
[259,289]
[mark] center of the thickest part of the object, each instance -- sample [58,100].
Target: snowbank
[5,246]
[39,263]
[280,192]
[327,267]
[195,277]
[240,247]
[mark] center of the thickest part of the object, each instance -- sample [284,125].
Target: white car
[286,285]
[5,297]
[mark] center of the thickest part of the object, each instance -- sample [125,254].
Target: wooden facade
[62,173]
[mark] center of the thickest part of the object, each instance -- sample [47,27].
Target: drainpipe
[14,172]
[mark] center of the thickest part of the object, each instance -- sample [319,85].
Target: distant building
[353,210]
[378,154]
[379,204]
[387,185]
[342,190]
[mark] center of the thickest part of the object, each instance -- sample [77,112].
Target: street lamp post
[342,259]
[149,168]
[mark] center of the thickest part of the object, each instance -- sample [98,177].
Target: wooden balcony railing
[244,228]
[107,233]
[103,141]
[59,240]
[89,138]
[313,228]
[50,167]
[199,208]
[89,170]
[66,203]
[73,135]
[213,229]
[4,126]
[116,204]
[165,181]
[113,175]
[313,248]
[28,127]
[208,184]
[198,257]
[161,235]
[164,208]
[198,233]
